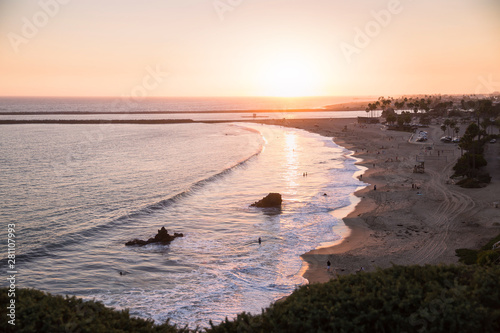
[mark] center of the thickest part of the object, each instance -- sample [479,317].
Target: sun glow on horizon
[255,48]
[289,76]
[292,160]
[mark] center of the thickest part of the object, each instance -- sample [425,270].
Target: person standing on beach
[260,241]
[328,266]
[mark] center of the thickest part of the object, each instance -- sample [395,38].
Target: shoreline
[397,224]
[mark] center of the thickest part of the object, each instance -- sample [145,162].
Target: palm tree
[447,124]
[470,104]
[399,105]
[410,105]
[443,128]
[385,103]
[370,108]
[426,105]
[406,117]
[376,106]
[486,123]
[468,143]
[453,124]
[483,109]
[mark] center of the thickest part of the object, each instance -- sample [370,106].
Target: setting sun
[288,76]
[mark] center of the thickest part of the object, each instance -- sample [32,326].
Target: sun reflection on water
[292,161]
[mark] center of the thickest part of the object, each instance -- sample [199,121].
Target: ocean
[77,193]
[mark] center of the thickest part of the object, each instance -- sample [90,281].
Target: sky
[248,47]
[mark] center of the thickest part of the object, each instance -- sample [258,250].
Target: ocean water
[12,108]
[190,104]
[77,193]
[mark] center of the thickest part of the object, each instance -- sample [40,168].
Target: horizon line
[247,96]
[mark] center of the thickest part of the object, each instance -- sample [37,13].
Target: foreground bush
[398,299]
[37,311]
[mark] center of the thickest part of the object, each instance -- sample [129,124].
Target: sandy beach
[396,223]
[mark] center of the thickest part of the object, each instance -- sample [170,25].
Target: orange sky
[248,47]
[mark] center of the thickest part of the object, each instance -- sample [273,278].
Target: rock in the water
[272,200]
[161,237]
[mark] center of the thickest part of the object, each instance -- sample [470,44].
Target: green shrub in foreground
[37,311]
[488,257]
[398,299]
[467,256]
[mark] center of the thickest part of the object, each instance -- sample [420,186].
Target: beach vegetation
[391,118]
[397,299]
[385,103]
[407,118]
[441,108]
[388,112]
[486,255]
[37,311]
[425,119]
[400,121]
[469,164]
[470,183]
[467,256]
[403,121]
[400,104]
[483,177]
[456,113]
[491,243]
[372,107]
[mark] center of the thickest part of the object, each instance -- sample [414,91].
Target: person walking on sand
[328,266]
[260,241]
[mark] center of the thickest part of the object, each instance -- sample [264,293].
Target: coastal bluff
[162,237]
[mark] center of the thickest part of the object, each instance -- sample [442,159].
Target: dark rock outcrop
[161,237]
[272,200]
